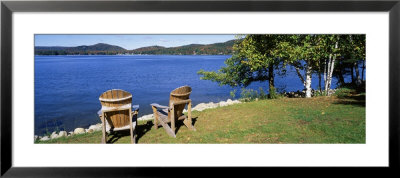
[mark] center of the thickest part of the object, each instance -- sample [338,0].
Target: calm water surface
[67,88]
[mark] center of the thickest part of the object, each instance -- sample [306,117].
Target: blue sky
[129,41]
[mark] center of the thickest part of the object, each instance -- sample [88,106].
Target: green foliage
[343,92]
[273,94]
[255,58]
[262,94]
[233,94]
[233,74]
[247,95]
[319,93]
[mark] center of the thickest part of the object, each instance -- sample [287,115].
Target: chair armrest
[159,106]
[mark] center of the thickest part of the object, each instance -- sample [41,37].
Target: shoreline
[199,107]
[98,127]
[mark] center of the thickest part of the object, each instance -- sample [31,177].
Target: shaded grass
[337,119]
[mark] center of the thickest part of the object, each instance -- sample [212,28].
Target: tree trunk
[300,76]
[358,79]
[331,67]
[271,82]
[308,80]
[331,72]
[352,75]
[328,72]
[341,78]
[325,67]
[362,71]
[319,82]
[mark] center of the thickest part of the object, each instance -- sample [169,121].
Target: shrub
[319,93]
[273,94]
[262,94]
[248,94]
[343,92]
[233,93]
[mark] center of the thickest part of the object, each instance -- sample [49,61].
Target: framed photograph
[103,88]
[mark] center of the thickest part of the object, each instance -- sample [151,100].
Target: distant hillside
[149,48]
[106,49]
[97,49]
[198,49]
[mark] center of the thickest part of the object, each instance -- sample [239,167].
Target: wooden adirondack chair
[163,115]
[118,111]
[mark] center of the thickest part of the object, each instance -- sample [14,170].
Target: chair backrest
[179,94]
[116,98]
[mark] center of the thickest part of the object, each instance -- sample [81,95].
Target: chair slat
[116,104]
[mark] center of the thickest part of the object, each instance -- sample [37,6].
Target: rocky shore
[149,117]
[302,94]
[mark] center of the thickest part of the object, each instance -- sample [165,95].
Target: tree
[353,52]
[255,58]
[301,51]
[330,52]
[356,50]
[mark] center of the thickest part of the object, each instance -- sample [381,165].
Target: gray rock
[96,127]
[45,138]
[203,106]
[79,131]
[54,135]
[62,134]
[146,117]
[236,102]
[223,103]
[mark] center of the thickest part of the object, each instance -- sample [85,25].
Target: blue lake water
[67,88]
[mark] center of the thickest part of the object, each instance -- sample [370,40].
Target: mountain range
[224,48]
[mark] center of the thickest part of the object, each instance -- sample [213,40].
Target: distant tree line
[105,49]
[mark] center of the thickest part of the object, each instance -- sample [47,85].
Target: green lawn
[336,119]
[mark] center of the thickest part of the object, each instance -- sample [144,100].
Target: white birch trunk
[331,66]
[326,82]
[325,67]
[300,76]
[331,72]
[308,81]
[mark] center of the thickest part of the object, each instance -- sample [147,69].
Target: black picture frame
[8,7]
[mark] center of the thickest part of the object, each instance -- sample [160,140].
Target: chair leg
[173,119]
[155,115]
[190,116]
[131,125]
[103,119]
[134,133]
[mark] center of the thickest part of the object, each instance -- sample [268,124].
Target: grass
[336,119]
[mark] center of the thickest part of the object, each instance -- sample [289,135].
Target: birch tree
[301,53]
[331,50]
